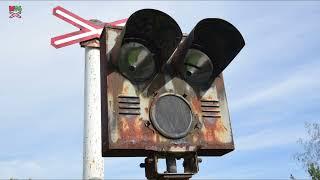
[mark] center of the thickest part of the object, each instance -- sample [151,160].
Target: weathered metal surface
[214,39]
[127,129]
[93,164]
[90,43]
[190,165]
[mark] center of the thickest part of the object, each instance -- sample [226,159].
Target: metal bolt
[142,165]
[155,94]
[147,123]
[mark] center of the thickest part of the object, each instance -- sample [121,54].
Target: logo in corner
[15,11]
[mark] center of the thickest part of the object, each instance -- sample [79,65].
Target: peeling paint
[211,133]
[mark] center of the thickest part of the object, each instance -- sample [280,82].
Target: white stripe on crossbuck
[61,41]
[91,32]
[75,20]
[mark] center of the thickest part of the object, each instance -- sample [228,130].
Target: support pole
[93,164]
[171,164]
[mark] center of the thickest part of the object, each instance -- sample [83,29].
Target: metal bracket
[190,165]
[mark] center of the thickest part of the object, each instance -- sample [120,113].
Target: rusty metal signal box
[162,91]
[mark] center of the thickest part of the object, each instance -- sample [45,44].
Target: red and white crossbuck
[88,30]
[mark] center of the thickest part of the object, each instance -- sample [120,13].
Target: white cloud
[269,138]
[290,89]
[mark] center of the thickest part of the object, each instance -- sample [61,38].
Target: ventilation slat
[129,105]
[129,111]
[209,104]
[133,97]
[205,100]
[210,109]
[129,100]
[210,116]
[134,114]
[211,113]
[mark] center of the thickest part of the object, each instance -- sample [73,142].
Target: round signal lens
[198,67]
[171,115]
[136,62]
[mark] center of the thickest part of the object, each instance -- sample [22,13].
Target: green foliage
[310,157]
[314,172]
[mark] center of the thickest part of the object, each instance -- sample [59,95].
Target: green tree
[310,157]
[314,171]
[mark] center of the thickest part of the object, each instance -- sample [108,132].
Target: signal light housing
[211,39]
[162,92]
[155,35]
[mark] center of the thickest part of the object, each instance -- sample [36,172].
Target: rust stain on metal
[195,139]
[210,97]
[90,43]
[214,131]
[136,131]
[155,138]
[196,104]
[207,131]
[220,130]
[124,125]
[125,89]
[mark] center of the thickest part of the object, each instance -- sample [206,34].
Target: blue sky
[272,87]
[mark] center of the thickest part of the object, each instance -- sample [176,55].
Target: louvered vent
[129,105]
[210,109]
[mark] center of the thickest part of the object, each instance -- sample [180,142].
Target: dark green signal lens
[198,67]
[136,62]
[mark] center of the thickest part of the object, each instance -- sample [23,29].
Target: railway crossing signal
[162,92]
